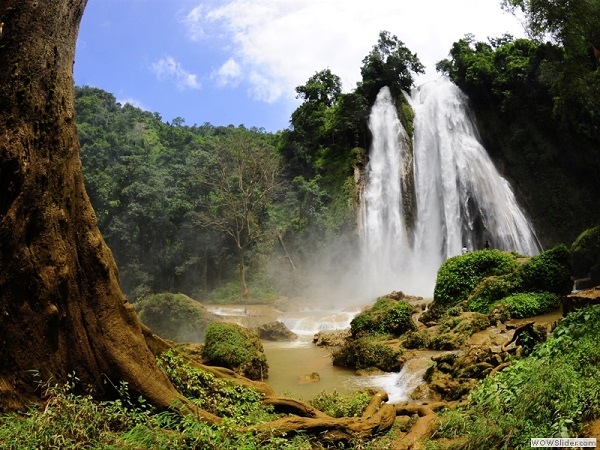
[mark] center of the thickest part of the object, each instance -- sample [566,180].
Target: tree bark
[61,308]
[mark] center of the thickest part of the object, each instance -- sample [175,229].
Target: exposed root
[376,418]
[425,424]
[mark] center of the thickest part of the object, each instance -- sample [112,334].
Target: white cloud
[133,102]
[169,69]
[279,44]
[229,74]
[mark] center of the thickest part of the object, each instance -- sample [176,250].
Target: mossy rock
[459,275]
[550,271]
[234,347]
[366,352]
[386,317]
[585,255]
[176,317]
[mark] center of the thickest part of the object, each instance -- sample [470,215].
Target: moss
[416,339]
[176,317]
[459,275]
[585,253]
[549,271]
[236,348]
[366,352]
[386,317]
[528,304]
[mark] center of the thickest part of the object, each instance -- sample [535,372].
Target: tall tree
[61,309]
[242,177]
[390,63]
[569,22]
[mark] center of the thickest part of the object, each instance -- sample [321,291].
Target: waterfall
[422,203]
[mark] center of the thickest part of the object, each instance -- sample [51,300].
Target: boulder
[276,331]
[578,300]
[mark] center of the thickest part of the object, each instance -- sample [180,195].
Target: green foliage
[174,316]
[389,64]
[366,352]
[585,254]
[72,421]
[459,275]
[550,393]
[220,397]
[386,316]
[146,183]
[491,290]
[529,304]
[549,271]
[533,100]
[531,288]
[232,346]
[337,405]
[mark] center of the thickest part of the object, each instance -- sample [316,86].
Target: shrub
[386,316]
[492,289]
[232,346]
[459,275]
[365,352]
[338,405]
[416,339]
[175,316]
[550,271]
[530,304]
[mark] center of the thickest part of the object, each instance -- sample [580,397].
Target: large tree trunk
[61,308]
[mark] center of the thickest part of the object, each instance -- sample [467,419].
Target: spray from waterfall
[423,202]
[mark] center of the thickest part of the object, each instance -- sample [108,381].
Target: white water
[459,198]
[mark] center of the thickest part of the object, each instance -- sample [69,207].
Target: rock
[578,300]
[275,331]
[331,338]
[310,378]
[453,389]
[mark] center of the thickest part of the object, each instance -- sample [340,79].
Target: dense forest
[228,213]
[194,209]
[212,210]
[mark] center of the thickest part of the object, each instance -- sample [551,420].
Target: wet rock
[454,388]
[275,331]
[331,338]
[310,378]
[578,300]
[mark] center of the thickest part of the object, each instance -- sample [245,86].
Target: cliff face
[554,174]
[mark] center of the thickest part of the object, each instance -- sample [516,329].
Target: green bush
[364,353]
[492,289]
[386,316]
[337,405]
[416,339]
[174,316]
[550,271]
[529,304]
[232,346]
[459,275]
[585,253]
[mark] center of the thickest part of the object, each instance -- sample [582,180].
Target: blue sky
[238,61]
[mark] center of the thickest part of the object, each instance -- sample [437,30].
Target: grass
[71,421]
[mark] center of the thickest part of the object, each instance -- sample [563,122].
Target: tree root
[497,369]
[376,418]
[425,424]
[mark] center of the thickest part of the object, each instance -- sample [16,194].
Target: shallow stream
[291,363]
